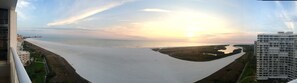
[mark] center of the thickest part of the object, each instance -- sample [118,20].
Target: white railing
[293,81]
[18,72]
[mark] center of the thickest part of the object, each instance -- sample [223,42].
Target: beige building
[24,55]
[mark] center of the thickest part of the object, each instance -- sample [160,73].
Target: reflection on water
[229,49]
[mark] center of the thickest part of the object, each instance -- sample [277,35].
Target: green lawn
[249,74]
[39,59]
[36,70]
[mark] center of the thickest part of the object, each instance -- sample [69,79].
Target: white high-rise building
[276,56]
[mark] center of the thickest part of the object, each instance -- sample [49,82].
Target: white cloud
[23,4]
[286,16]
[21,15]
[23,7]
[155,10]
[176,25]
[75,18]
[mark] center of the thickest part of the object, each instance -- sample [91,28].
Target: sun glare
[190,35]
[180,25]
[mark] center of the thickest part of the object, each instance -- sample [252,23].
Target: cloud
[155,10]
[75,18]
[175,26]
[21,14]
[22,6]
[72,28]
[286,17]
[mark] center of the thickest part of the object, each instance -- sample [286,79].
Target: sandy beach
[132,65]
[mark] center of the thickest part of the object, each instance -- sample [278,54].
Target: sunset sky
[201,21]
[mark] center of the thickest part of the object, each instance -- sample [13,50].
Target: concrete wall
[13,29]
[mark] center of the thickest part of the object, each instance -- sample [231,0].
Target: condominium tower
[11,68]
[276,56]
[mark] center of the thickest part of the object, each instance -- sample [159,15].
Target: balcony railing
[18,72]
[293,81]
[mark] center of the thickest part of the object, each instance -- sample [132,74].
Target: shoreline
[198,53]
[228,74]
[128,61]
[60,69]
[231,73]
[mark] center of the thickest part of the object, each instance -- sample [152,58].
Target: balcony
[18,73]
[4,72]
[11,68]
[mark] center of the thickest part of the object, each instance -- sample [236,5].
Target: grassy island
[197,53]
[241,70]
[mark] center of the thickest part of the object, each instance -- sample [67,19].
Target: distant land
[197,53]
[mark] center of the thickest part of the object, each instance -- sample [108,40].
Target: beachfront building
[11,68]
[276,56]
[25,57]
[20,42]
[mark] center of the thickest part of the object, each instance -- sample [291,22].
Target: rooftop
[279,33]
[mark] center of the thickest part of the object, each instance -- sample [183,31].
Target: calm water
[129,61]
[229,49]
[116,43]
[132,65]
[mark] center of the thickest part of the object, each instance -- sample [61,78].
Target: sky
[202,21]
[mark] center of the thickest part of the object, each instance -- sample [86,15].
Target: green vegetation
[231,72]
[36,70]
[197,53]
[57,69]
[228,74]
[249,73]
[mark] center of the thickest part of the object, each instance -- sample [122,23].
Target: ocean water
[107,61]
[113,43]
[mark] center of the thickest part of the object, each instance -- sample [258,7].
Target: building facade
[11,68]
[7,27]
[25,57]
[276,56]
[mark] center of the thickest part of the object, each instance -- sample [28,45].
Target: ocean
[114,43]
[129,61]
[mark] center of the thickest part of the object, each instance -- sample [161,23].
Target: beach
[57,69]
[132,65]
